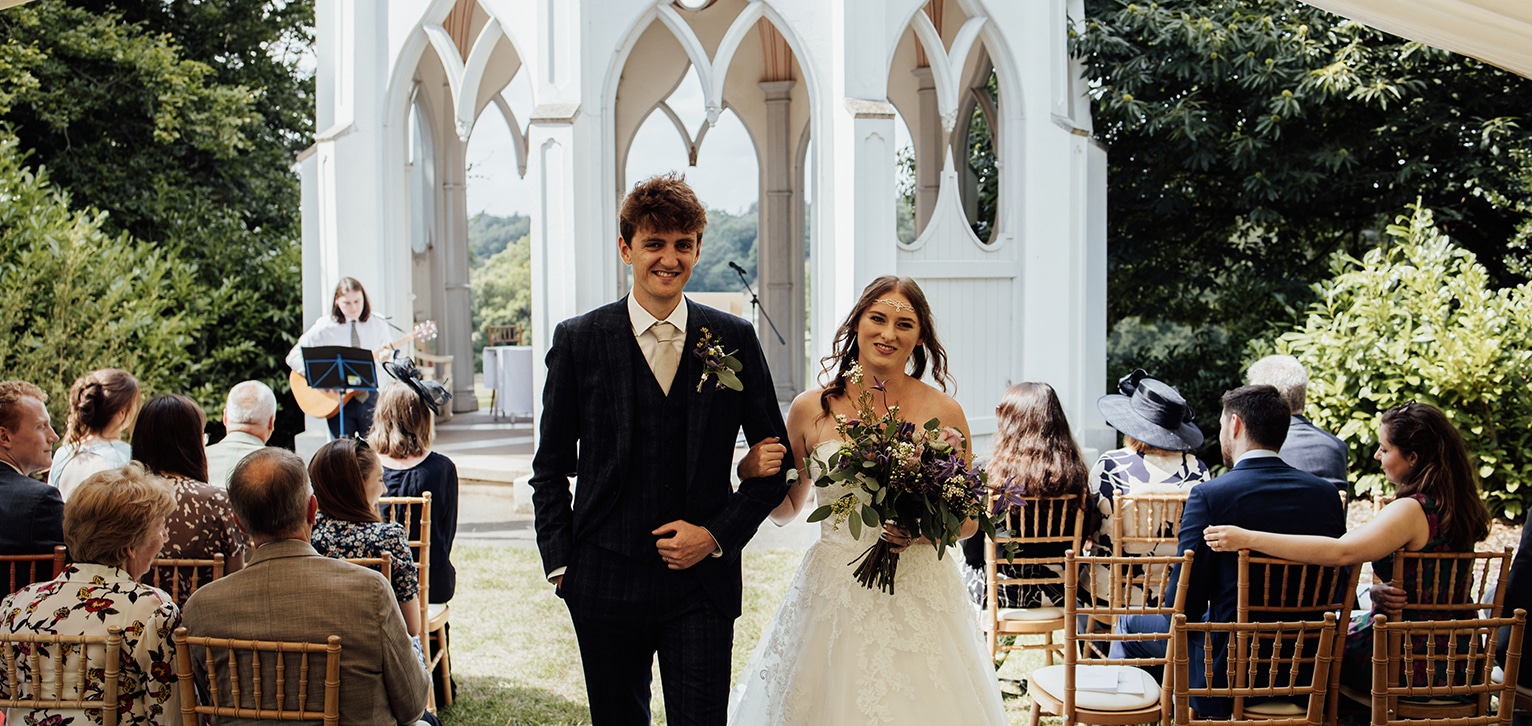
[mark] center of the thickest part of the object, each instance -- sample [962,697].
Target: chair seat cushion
[1276,707]
[436,610]
[1050,680]
[1031,614]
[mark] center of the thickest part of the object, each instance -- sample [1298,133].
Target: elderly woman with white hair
[114,524]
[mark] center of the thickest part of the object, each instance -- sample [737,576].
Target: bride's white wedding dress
[842,655]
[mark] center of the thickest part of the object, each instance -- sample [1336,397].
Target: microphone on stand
[755,302]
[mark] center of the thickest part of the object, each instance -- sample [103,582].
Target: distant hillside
[488,234]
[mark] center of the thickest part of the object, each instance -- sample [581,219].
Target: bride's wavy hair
[844,352]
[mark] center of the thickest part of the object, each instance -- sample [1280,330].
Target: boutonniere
[723,367]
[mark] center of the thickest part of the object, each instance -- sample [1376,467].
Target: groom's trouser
[625,612]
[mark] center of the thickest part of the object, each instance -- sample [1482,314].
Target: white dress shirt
[374,333]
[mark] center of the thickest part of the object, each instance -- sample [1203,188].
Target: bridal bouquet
[919,479]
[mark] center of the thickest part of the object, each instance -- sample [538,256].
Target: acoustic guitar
[326,404]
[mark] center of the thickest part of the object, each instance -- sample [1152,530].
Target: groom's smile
[662,263]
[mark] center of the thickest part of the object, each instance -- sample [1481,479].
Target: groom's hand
[683,544]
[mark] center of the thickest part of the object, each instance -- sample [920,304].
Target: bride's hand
[763,459]
[899,537]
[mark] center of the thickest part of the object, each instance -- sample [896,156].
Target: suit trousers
[624,613]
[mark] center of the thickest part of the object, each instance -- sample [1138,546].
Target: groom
[646,553]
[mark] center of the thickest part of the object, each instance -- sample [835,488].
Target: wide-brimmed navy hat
[1149,410]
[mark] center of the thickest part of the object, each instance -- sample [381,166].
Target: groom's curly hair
[662,203]
[845,351]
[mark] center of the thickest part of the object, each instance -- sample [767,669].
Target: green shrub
[1417,318]
[74,298]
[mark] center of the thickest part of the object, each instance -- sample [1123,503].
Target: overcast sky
[726,175]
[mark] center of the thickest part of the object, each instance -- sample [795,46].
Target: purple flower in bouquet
[914,477]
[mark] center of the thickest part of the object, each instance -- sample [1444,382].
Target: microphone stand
[755,304]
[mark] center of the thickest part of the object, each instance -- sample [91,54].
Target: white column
[930,149]
[780,272]
[456,313]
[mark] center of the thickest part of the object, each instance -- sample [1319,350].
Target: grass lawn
[513,650]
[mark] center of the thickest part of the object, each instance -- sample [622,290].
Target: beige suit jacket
[287,591]
[222,456]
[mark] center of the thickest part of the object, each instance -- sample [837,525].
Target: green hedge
[1417,318]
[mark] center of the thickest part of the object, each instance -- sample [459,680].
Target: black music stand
[340,368]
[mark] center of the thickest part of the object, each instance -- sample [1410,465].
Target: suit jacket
[31,514]
[1316,451]
[1263,494]
[1518,594]
[586,429]
[222,456]
[287,591]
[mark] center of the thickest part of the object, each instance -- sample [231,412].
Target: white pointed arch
[466,95]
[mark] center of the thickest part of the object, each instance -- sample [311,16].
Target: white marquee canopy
[1498,32]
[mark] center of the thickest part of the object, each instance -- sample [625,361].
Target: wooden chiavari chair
[1272,589]
[1451,678]
[254,679]
[62,673]
[1262,660]
[415,514]
[181,577]
[1042,523]
[23,570]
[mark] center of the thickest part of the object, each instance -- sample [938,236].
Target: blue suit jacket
[1316,451]
[1261,494]
[31,514]
[587,422]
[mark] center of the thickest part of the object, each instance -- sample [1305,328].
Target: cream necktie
[666,355]
[356,340]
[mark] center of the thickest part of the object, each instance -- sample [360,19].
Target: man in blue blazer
[31,512]
[1261,492]
[1308,447]
[646,551]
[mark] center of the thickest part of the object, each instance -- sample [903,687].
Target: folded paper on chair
[1108,679]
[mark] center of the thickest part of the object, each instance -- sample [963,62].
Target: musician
[350,323]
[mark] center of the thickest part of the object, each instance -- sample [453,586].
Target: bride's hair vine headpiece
[899,305]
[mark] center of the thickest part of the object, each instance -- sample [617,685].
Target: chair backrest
[257,679]
[1443,669]
[1262,660]
[1038,523]
[415,514]
[1147,523]
[1107,575]
[383,563]
[1273,589]
[1441,585]
[503,334]
[181,577]
[23,570]
[32,686]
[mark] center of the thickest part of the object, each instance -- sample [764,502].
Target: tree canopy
[179,121]
[1250,140]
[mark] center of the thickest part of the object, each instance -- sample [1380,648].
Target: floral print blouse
[202,524]
[1125,471]
[86,598]
[341,539]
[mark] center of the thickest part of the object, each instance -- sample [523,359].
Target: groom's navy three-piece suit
[643,458]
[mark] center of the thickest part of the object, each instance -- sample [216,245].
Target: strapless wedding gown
[839,654]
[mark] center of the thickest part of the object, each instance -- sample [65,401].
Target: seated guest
[1033,445]
[114,523]
[1158,436]
[348,481]
[1260,492]
[1437,508]
[168,440]
[31,512]
[403,427]
[101,406]
[249,417]
[1308,447]
[290,592]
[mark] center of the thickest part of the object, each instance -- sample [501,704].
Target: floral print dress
[341,539]
[86,598]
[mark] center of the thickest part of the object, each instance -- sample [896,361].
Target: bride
[839,653]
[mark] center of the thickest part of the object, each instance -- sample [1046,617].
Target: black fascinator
[434,394]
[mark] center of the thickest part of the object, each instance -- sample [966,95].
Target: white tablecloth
[508,372]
